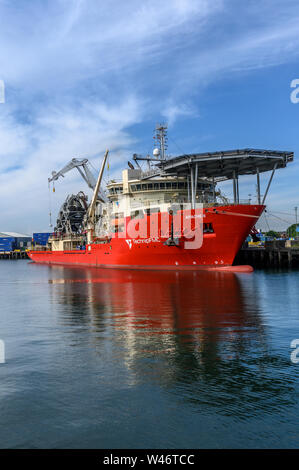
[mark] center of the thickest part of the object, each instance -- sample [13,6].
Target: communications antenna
[161,139]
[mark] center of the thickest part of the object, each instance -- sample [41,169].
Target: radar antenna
[161,139]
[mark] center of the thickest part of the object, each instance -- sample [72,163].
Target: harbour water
[138,359]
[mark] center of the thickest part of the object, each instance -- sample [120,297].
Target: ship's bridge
[142,187]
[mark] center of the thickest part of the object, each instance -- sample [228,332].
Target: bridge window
[138,214]
[152,210]
[118,215]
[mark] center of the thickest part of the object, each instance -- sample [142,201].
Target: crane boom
[82,166]
[91,209]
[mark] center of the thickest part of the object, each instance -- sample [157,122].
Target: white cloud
[90,38]
[57,136]
[173,111]
[80,73]
[14,141]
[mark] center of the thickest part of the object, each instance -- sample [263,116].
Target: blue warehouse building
[41,238]
[10,241]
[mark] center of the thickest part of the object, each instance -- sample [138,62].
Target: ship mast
[161,139]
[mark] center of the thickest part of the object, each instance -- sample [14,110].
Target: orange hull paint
[231,226]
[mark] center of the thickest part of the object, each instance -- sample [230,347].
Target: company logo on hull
[129,242]
[146,240]
[141,240]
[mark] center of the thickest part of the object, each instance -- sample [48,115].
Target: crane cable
[266,220]
[50,209]
[108,168]
[273,215]
[108,172]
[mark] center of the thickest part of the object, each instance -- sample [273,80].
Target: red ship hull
[231,225]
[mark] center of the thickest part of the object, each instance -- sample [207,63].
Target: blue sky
[83,75]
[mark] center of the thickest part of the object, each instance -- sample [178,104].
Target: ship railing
[229,202]
[147,173]
[71,236]
[39,248]
[114,181]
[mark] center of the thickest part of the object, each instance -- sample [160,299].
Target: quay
[276,253]
[13,255]
[15,245]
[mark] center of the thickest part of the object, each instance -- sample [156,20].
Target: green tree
[291,231]
[272,234]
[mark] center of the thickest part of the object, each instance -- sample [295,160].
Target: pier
[13,255]
[277,253]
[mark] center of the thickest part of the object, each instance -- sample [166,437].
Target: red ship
[171,216]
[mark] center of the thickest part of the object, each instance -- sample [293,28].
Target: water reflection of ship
[198,335]
[205,313]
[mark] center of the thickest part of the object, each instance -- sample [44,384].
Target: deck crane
[72,214]
[91,210]
[82,166]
